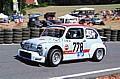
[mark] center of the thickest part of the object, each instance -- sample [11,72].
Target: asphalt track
[15,68]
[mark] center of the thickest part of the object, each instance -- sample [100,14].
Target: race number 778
[78,46]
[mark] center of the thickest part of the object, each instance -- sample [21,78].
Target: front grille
[25,54]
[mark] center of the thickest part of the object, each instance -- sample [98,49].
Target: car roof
[71,25]
[77,25]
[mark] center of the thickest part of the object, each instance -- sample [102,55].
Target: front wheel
[54,57]
[98,55]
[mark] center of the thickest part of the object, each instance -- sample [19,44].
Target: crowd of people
[110,14]
[17,17]
[87,19]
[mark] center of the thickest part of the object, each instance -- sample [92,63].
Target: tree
[7,7]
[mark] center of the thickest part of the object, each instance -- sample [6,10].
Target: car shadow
[75,61]
[28,62]
[32,63]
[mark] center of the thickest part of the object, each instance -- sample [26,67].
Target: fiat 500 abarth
[63,42]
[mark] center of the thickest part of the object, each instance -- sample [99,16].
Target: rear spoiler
[103,38]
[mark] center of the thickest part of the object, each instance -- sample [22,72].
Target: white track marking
[86,73]
[8,44]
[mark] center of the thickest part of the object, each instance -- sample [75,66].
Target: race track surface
[15,68]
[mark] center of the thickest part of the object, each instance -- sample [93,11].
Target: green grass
[62,10]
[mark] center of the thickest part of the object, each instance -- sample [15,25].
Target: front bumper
[30,55]
[97,22]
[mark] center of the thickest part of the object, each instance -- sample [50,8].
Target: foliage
[23,12]
[78,2]
[7,7]
[36,6]
[45,4]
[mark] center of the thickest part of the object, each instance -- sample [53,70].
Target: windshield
[54,31]
[97,19]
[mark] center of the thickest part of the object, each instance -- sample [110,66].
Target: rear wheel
[54,57]
[98,55]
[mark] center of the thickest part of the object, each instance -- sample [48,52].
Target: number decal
[74,46]
[78,46]
[81,47]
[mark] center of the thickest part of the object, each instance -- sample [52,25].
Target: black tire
[35,32]
[25,38]
[1,41]
[17,40]
[25,33]
[54,57]
[8,36]
[102,23]
[1,36]
[8,40]
[98,55]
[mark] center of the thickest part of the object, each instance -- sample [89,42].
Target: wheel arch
[55,47]
[94,47]
[48,59]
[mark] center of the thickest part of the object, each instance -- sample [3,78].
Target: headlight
[22,44]
[40,49]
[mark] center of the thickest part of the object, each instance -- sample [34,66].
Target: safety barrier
[107,33]
[17,35]
[114,34]
[1,36]
[8,36]
[25,33]
[118,37]
[35,32]
[111,35]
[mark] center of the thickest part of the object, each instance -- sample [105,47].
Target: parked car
[63,42]
[4,18]
[85,20]
[34,20]
[97,21]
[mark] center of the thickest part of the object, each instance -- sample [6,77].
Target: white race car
[63,42]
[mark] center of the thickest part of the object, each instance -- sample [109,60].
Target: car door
[75,44]
[91,38]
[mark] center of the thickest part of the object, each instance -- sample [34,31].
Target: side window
[75,33]
[91,34]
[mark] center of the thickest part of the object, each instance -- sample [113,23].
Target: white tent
[85,9]
[3,16]
[67,16]
[68,19]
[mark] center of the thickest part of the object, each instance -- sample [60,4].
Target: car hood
[43,39]
[98,20]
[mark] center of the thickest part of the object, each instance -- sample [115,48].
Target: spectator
[38,23]
[15,17]
[82,21]
[21,18]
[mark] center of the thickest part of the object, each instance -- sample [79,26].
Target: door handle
[84,40]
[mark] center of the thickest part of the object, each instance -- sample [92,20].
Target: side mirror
[68,36]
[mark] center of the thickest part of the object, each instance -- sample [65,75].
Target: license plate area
[25,54]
